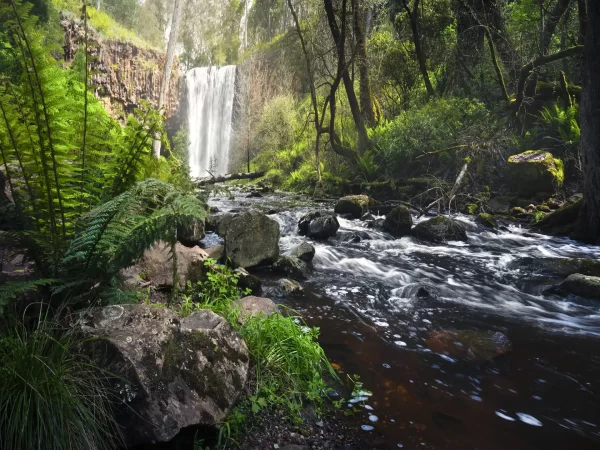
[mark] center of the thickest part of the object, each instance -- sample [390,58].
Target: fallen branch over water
[229,177]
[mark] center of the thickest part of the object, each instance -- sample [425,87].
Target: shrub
[52,397]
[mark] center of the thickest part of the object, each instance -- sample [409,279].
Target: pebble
[367,427]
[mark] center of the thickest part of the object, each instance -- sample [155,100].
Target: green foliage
[52,397]
[435,131]
[561,127]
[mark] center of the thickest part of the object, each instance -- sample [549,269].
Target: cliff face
[123,74]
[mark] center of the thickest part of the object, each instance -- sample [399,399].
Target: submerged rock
[535,171]
[398,222]
[467,344]
[559,267]
[440,229]
[355,237]
[355,205]
[318,225]
[156,266]
[254,306]
[304,251]
[293,267]
[252,239]
[581,285]
[170,373]
[290,287]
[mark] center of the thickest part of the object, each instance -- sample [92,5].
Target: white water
[210,93]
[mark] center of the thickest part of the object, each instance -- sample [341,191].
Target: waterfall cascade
[210,93]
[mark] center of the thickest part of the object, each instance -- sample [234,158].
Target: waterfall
[210,92]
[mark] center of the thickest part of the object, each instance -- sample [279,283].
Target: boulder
[170,373]
[475,346]
[535,171]
[219,223]
[191,235]
[216,252]
[398,222]
[487,220]
[318,225]
[355,205]
[254,306]
[304,251]
[248,281]
[519,213]
[582,285]
[292,267]
[252,239]
[440,229]
[156,266]
[290,287]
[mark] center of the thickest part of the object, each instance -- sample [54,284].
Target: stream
[368,299]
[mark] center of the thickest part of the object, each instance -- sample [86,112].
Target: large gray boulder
[355,205]
[440,229]
[170,373]
[398,222]
[252,239]
[318,225]
[156,267]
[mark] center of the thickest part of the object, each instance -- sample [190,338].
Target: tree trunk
[164,85]
[360,32]
[414,25]
[550,24]
[469,40]
[590,125]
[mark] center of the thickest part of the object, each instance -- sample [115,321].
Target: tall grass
[51,396]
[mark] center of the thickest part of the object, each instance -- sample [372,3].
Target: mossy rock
[535,171]
[355,205]
[398,222]
[440,229]
[487,220]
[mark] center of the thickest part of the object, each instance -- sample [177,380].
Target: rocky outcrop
[535,171]
[318,225]
[156,267]
[398,222]
[254,306]
[252,239]
[581,285]
[292,267]
[440,229]
[191,235]
[471,345]
[304,251]
[123,72]
[170,373]
[354,205]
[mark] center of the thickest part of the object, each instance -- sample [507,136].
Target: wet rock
[355,237]
[170,373]
[214,210]
[248,281]
[519,213]
[553,203]
[290,287]
[272,211]
[440,229]
[476,346]
[422,292]
[254,306]
[543,208]
[191,235]
[318,225]
[563,221]
[534,171]
[216,252]
[581,285]
[487,220]
[219,223]
[355,205]
[254,194]
[398,222]
[304,251]
[558,267]
[292,267]
[252,239]
[156,267]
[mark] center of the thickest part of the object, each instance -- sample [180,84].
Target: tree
[590,124]
[413,16]
[164,86]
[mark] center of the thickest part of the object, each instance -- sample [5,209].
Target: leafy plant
[52,397]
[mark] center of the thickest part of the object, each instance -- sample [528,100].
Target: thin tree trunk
[164,86]
[590,130]
[549,25]
[360,31]
[414,25]
[496,65]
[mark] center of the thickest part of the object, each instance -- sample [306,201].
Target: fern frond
[13,289]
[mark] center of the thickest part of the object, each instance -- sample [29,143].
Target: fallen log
[229,177]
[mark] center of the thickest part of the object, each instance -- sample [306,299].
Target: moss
[471,208]
[487,220]
[535,171]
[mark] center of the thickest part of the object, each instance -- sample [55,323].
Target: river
[378,303]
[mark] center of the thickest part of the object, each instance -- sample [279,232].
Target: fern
[13,289]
